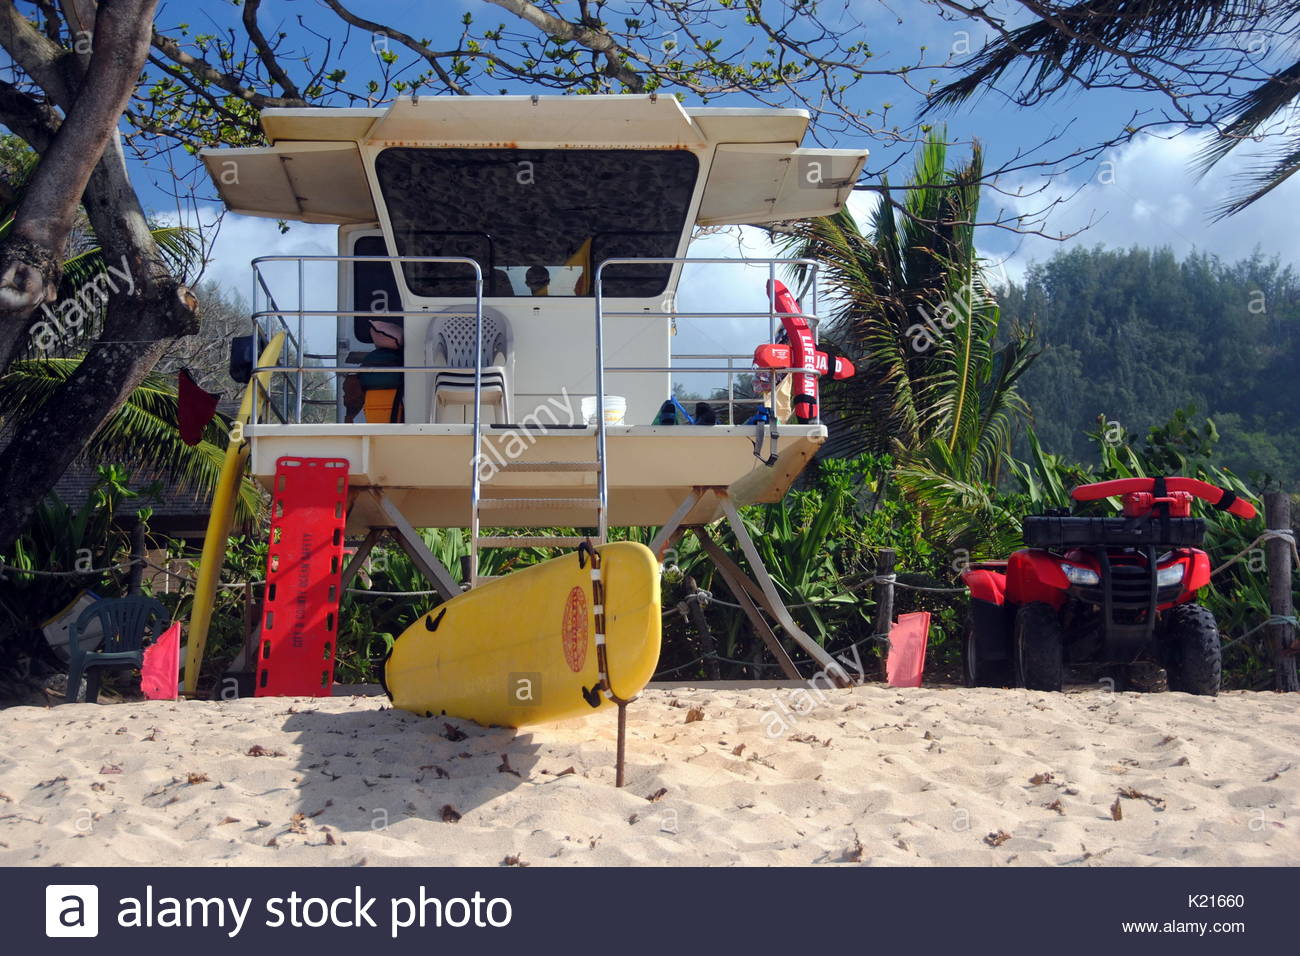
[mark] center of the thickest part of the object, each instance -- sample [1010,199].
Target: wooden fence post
[707,644]
[1277,516]
[884,595]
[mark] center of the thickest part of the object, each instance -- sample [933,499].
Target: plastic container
[379,405]
[615,409]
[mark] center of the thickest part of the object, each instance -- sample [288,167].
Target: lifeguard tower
[516,260]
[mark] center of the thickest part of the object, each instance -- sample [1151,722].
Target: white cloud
[240,239]
[1147,193]
[243,238]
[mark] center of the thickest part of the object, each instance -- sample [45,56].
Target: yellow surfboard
[221,517]
[522,649]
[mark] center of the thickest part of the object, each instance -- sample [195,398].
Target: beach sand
[872,775]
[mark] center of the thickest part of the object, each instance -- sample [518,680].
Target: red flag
[907,640]
[161,671]
[195,406]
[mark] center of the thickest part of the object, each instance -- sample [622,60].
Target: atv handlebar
[1220,498]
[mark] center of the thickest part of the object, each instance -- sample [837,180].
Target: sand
[871,775]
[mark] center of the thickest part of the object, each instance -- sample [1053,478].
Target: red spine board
[304,563]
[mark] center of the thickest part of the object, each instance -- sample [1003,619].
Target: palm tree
[937,375]
[142,432]
[1216,61]
[913,311]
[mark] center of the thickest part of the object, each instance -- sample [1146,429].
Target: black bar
[691,910]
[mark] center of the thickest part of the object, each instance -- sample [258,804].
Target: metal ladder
[480,505]
[485,506]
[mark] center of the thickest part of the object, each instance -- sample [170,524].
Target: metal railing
[275,318]
[672,315]
[731,370]
[265,319]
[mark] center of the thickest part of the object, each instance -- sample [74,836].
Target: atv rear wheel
[977,670]
[1193,650]
[1039,648]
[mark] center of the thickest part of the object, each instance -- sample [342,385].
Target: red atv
[1101,592]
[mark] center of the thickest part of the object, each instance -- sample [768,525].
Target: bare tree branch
[596,40]
[265,52]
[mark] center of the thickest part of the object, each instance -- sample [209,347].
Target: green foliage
[142,430]
[67,540]
[938,374]
[912,309]
[1138,334]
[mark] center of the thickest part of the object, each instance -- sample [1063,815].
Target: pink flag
[907,640]
[161,671]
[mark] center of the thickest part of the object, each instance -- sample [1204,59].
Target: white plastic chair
[449,349]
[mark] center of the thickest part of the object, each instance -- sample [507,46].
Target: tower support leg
[751,594]
[744,589]
[409,540]
[831,667]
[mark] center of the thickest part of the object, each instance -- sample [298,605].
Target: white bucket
[615,409]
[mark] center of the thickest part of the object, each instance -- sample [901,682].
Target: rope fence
[849,586]
[1285,534]
[1272,619]
[704,598]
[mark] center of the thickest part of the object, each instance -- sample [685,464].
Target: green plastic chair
[128,624]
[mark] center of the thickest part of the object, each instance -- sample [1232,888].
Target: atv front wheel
[1039,648]
[977,670]
[1194,653]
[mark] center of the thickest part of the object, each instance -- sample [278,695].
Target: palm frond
[141,433]
[180,246]
[1074,44]
[935,383]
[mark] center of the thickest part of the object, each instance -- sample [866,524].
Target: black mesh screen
[558,213]
[374,286]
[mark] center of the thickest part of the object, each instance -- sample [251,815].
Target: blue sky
[1142,193]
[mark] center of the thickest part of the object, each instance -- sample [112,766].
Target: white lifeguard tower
[513,256]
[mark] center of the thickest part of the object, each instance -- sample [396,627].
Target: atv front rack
[1057,532]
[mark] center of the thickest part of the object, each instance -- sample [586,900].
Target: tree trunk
[31,259]
[147,306]
[50,440]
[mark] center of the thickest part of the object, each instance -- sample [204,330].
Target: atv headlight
[1077,575]
[1167,577]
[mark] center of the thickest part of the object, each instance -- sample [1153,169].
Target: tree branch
[408,41]
[31,259]
[265,52]
[599,41]
[207,73]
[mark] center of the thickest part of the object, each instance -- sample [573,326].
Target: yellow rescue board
[522,649]
[221,516]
